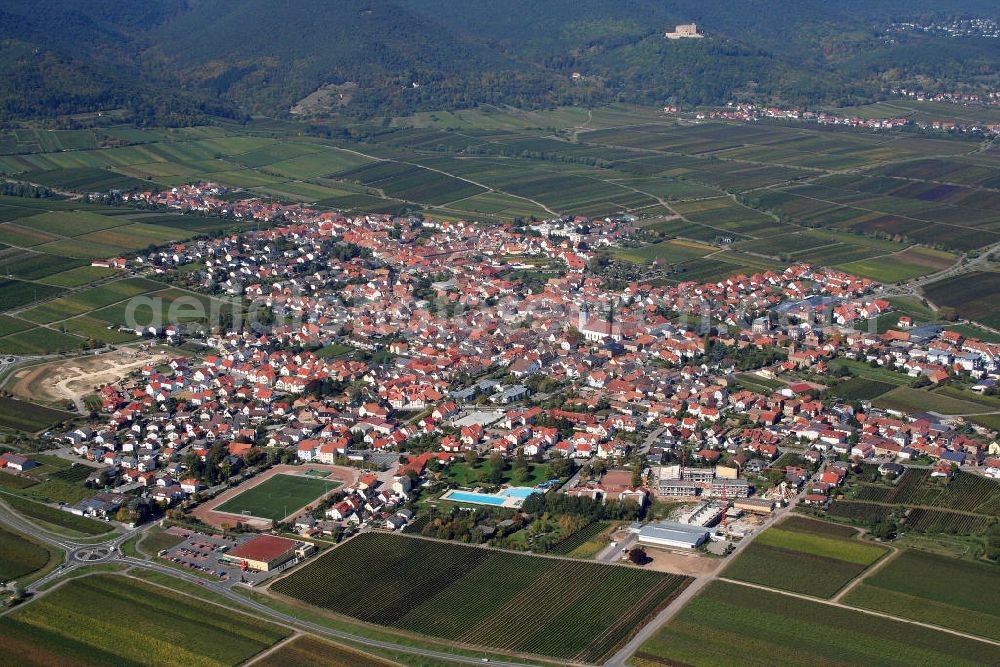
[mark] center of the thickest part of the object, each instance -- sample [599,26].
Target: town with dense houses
[747,112]
[532,334]
[329,379]
[409,345]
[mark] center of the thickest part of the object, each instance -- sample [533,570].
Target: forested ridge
[173,60]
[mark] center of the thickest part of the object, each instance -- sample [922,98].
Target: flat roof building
[673,535]
[735,488]
[266,552]
[755,505]
[676,488]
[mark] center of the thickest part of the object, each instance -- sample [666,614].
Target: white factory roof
[673,532]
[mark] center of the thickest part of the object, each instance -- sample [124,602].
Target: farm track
[539,590]
[619,658]
[831,603]
[878,565]
[443,173]
[240,602]
[277,647]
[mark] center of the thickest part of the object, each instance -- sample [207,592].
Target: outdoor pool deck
[511,497]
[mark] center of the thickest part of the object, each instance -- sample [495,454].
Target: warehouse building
[267,552]
[672,535]
[755,505]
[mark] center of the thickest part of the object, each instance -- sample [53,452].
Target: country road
[678,603]
[80,554]
[224,588]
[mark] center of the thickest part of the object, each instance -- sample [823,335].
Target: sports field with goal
[278,497]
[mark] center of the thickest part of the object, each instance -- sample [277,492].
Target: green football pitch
[278,497]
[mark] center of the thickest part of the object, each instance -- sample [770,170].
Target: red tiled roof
[264,548]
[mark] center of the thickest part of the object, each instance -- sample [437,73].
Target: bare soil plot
[71,380]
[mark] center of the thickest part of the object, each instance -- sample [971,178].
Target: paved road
[675,606]
[650,439]
[112,546]
[225,589]
[613,552]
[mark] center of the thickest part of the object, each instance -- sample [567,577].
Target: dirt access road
[56,382]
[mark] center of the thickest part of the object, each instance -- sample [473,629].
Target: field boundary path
[870,612]
[241,603]
[443,173]
[671,610]
[853,583]
[277,647]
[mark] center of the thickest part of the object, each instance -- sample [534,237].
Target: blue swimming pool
[478,498]
[517,492]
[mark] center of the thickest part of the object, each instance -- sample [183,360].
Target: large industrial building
[266,552]
[673,535]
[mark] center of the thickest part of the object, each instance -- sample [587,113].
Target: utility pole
[725,505]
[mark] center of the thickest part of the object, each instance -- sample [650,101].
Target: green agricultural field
[85,179]
[859,388]
[70,223]
[507,601]
[30,417]
[16,482]
[58,491]
[20,556]
[10,325]
[37,264]
[498,204]
[584,543]
[87,327]
[138,623]
[973,295]
[79,276]
[907,399]
[861,513]
[318,163]
[889,269]
[863,370]
[81,249]
[60,520]
[668,252]
[729,624]
[970,396]
[955,594]
[39,341]
[989,421]
[23,237]
[803,556]
[275,153]
[976,496]
[278,496]
[308,651]
[169,305]
[73,474]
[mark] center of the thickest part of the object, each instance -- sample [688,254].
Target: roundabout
[93,554]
